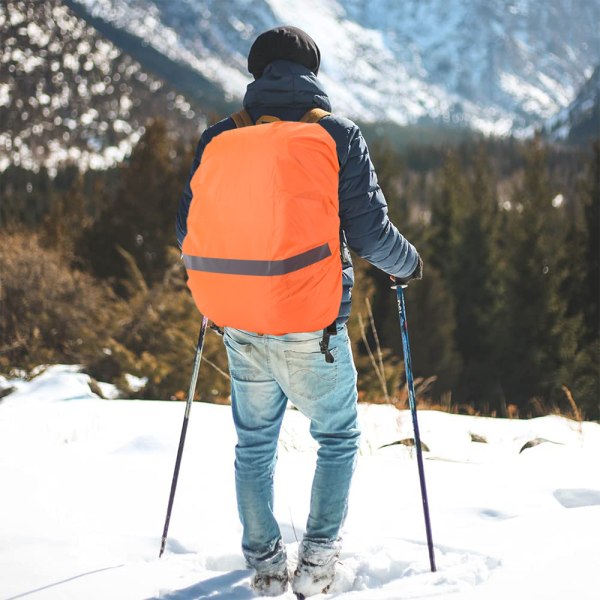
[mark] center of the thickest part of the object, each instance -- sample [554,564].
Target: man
[268,370]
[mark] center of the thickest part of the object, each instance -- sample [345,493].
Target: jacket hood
[286,84]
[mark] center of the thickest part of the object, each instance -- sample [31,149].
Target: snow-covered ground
[85,482]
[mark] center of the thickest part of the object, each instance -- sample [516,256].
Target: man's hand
[416,274]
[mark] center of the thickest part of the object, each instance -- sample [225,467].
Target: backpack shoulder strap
[242,119]
[314,115]
[267,119]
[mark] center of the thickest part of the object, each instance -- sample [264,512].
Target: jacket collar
[285,84]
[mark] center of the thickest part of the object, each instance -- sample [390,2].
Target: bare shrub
[159,333]
[48,311]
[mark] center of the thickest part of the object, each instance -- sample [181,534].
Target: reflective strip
[234,266]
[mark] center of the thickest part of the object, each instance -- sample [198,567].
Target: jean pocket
[238,346]
[311,377]
[239,356]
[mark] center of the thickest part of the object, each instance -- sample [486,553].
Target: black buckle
[215,328]
[324,343]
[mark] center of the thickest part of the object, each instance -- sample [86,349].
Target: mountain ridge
[498,66]
[579,122]
[78,86]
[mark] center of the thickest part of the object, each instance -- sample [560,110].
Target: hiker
[241,165]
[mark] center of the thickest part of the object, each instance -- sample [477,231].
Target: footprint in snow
[576,498]
[405,566]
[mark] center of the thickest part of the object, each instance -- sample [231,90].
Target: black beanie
[284,43]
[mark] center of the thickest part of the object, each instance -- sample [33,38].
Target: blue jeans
[266,372]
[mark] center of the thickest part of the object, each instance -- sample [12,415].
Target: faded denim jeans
[266,372]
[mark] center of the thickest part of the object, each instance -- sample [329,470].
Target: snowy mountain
[498,65]
[80,78]
[67,94]
[580,121]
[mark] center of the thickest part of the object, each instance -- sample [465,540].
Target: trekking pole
[190,399]
[413,410]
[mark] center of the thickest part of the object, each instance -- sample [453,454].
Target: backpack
[262,249]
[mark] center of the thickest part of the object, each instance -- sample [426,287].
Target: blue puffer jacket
[288,90]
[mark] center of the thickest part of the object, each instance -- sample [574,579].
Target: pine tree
[475,285]
[446,207]
[429,302]
[584,263]
[592,249]
[64,224]
[24,197]
[141,218]
[148,201]
[431,317]
[541,339]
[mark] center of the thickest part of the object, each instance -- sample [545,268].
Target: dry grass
[574,408]
[575,413]
[378,365]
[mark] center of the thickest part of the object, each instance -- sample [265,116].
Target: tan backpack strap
[314,115]
[242,119]
[267,119]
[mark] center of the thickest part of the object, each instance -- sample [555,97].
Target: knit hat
[284,43]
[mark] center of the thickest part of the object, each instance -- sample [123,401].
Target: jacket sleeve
[186,196]
[364,214]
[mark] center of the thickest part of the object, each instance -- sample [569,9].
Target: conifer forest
[505,321]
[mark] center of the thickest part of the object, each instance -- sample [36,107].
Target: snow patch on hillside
[68,96]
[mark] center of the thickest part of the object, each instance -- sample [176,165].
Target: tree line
[507,313]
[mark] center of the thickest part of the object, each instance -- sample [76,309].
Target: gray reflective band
[234,266]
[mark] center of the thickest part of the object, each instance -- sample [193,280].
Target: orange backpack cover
[262,248]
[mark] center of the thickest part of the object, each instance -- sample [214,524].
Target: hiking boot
[271,584]
[316,569]
[271,573]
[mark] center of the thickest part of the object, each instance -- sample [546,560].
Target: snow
[504,70]
[529,96]
[4,94]
[85,485]
[134,383]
